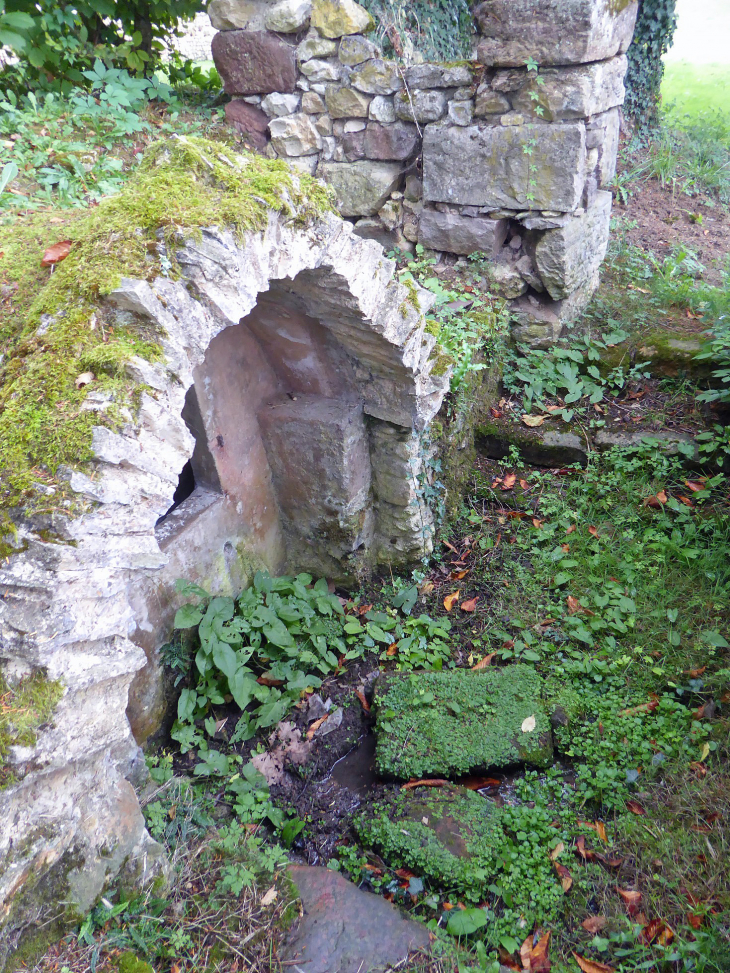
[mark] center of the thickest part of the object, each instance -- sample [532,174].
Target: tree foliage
[57,42]
[655,26]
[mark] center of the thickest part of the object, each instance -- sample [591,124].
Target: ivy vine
[655,26]
[439,30]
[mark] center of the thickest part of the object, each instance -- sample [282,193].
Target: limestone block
[324,125]
[569,257]
[346,103]
[354,125]
[314,45]
[239,14]
[248,120]
[461,112]
[531,277]
[420,106]
[254,62]
[361,188]
[476,166]
[376,77]
[438,75]
[386,142]
[288,16]
[277,104]
[317,71]
[553,31]
[603,133]
[506,280]
[489,102]
[461,234]
[336,18]
[295,135]
[355,49]
[382,110]
[312,103]
[574,92]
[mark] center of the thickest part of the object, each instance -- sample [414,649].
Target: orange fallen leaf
[572,529]
[451,600]
[495,413]
[695,485]
[361,696]
[656,501]
[392,649]
[642,708]
[650,931]
[601,830]
[695,673]
[592,966]
[686,500]
[557,850]
[694,920]
[316,725]
[574,606]
[405,873]
[269,681]
[524,485]
[539,958]
[565,548]
[436,782]
[459,575]
[525,953]
[594,924]
[470,605]
[506,960]
[480,783]
[635,807]
[631,900]
[566,879]
[536,522]
[585,853]
[593,531]
[509,481]
[483,663]
[56,253]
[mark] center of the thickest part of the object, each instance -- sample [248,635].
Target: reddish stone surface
[345,930]
[387,142]
[254,62]
[249,121]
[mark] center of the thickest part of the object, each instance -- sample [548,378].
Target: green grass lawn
[695,88]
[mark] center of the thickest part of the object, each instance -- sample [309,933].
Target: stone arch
[346,381]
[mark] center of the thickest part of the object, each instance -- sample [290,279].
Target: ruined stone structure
[284,423]
[485,155]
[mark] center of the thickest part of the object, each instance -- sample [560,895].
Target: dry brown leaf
[642,708]
[566,879]
[695,673]
[593,531]
[536,522]
[631,900]
[635,807]
[526,952]
[695,485]
[451,600]
[316,725]
[55,254]
[572,529]
[269,681]
[436,782]
[269,897]
[585,853]
[85,378]
[539,958]
[483,663]
[533,421]
[565,548]
[656,501]
[594,924]
[524,485]
[574,606]
[601,830]
[392,649]
[361,696]
[592,966]
[557,850]
[459,575]
[470,605]
[509,481]
[694,920]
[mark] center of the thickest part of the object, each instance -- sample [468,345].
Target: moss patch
[130,963]
[23,709]
[446,723]
[53,325]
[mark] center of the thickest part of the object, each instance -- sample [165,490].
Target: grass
[24,708]
[695,89]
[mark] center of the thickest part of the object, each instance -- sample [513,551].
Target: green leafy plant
[440,30]
[655,26]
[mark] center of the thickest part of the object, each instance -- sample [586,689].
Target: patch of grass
[24,708]
[692,90]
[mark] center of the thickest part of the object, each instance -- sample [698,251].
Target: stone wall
[472,156]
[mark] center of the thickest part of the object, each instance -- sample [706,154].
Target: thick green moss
[447,723]
[130,963]
[451,836]
[54,326]
[23,709]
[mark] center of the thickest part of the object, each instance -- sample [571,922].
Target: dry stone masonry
[483,155]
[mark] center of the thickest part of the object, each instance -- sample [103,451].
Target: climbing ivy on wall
[440,30]
[655,26]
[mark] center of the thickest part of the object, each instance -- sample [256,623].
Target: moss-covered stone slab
[451,836]
[442,724]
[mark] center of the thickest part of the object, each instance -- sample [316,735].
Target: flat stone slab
[441,724]
[346,930]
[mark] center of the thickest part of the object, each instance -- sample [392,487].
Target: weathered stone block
[489,102]
[295,135]
[248,120]
[288,16]
[312,103]
[321,72]
[356,49]
[353,144]
[239,14]
[506,280]
[439,75]
[346,103]
[574,92]
[377,77]
[476,166]
[314,45]
[420,106]
[361,188]
[554,31]
[603,133]
[461,112]
[277,104]
[567,258]
[388,142]
[336,18]
[382,110]
[461,234]
[254,62]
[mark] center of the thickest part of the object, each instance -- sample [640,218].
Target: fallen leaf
[539,959]
[572,529]
[484,662]
[405,873]
[585,853]
[695,673]
[635,807]
[695,485]
[470,605]
[685,500]
[459,575]
[643,708]
[593,531]
[392,649]
[631,900]
[495,413]
[601,830]
[525,953]
[506,960]
[423,783]
[56,253]
[566,879]
[85,378]
[656,501]
[574,606]
[529,724]
[609,862]
[269,681]
[361,696]
[533,421]
[536,522]
[524,485]
[592,966]
[509,481]
[698,768]
[269,897]
[706,711]
[480,783]
[557,850]
[594,924]
[316,725]
[451,600]
[694,920]
[565,548]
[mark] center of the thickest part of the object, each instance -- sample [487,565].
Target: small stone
[391,214]
[248,120]
[316,70]
[414,188]
[303,85]
[339,154]
[361,188]
[382,110]
[252,99]
[277,104]
[490,102]
[438,75]
[420,106]
[354,125]
[313,104]
[346,103]
[314,45]
[471,211]
[377,77]
[324,125]
[461,112]
[465,94]
[237,14]
[398,141]
[356,49]
[512,118]
[336,18]
[295,135]
[506,280]
[516,242]
[338,127]
[529,274]
[329,144]
[288,16]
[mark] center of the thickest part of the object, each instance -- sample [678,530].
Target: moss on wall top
[23,709]
[52,323]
